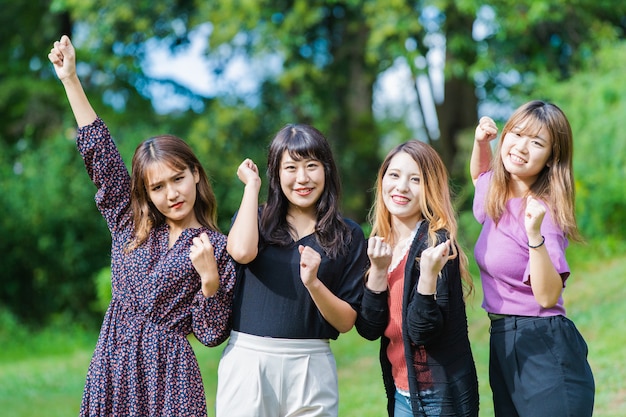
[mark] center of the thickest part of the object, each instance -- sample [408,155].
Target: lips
[303,191]
[177,205]
[516,159]
[398,199]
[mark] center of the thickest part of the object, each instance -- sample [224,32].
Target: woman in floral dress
[170,272]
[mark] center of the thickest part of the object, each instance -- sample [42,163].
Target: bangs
[527,125]
[302,147]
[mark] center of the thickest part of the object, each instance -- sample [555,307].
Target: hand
[434,258]
[203,259]
[309,264]
[486,131]
[248,172]
[379,252]
[63,58]
[432,261]
[533,217]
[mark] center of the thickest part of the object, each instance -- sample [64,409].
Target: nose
[402,184]
[522,144]
[302,176]
[172,192]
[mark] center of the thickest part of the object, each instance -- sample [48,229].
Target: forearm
[545,281]
[243,238]
[376,279]
[83,112]
[336,311]
[480,159]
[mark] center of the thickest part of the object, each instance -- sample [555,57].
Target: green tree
[331,55]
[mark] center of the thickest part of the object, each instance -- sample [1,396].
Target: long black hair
[304,142]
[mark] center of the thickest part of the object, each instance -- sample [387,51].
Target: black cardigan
[434,330]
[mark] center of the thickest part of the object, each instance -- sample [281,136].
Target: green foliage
[330,56]
[102,281]
[49,247]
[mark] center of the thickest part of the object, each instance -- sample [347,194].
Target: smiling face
[402,187]
[525,151]
[173,193]
[301,181]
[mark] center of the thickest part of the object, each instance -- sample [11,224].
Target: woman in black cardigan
[414,297]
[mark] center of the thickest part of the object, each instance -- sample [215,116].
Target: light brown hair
[435,202]
[176,153]
[555,183]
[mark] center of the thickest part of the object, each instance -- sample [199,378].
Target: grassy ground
[43,374]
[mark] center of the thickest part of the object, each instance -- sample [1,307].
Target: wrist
[536,242]
[254,184]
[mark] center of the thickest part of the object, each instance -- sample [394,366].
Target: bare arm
[545,281]
[486,131]
[243,238]
[336,311]
[63,57]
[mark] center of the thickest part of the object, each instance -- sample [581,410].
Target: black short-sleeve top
[270,299]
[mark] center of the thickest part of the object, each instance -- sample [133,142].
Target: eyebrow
[395,169]
[176,174]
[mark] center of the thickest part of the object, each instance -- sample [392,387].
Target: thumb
[300,249]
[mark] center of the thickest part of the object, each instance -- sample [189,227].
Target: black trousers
[538,368]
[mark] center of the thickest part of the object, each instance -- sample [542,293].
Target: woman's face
[302,182]
[173,193]
[401,188]
[524,156]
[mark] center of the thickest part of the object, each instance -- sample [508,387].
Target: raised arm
[486,131]
[63,57]
[243,238]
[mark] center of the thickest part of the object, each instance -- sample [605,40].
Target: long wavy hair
[555,183]
[177,154]
[304,142]
[434,199]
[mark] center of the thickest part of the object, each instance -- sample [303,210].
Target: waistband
[504,322]
[278,345]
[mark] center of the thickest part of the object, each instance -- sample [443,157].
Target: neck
[402,229]
[301,223]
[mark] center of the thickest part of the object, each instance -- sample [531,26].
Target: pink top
[502,255]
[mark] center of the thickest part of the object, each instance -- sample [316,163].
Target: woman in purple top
[170,272]
[525,201]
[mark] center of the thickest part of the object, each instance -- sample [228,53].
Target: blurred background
[225,75]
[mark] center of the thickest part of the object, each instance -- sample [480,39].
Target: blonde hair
[555,183]
[435,202]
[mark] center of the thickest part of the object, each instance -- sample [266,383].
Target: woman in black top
[300,267]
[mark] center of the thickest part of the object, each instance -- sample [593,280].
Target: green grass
[43,374]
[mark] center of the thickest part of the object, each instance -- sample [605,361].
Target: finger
[204,238]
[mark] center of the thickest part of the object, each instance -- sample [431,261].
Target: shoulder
[483,180]
[354,227]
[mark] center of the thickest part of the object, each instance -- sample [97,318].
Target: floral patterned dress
[143,364]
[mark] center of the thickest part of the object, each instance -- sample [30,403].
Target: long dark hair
[176,153]
[304,142]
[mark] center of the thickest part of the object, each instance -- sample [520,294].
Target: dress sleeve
[107,171]
[211,317]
